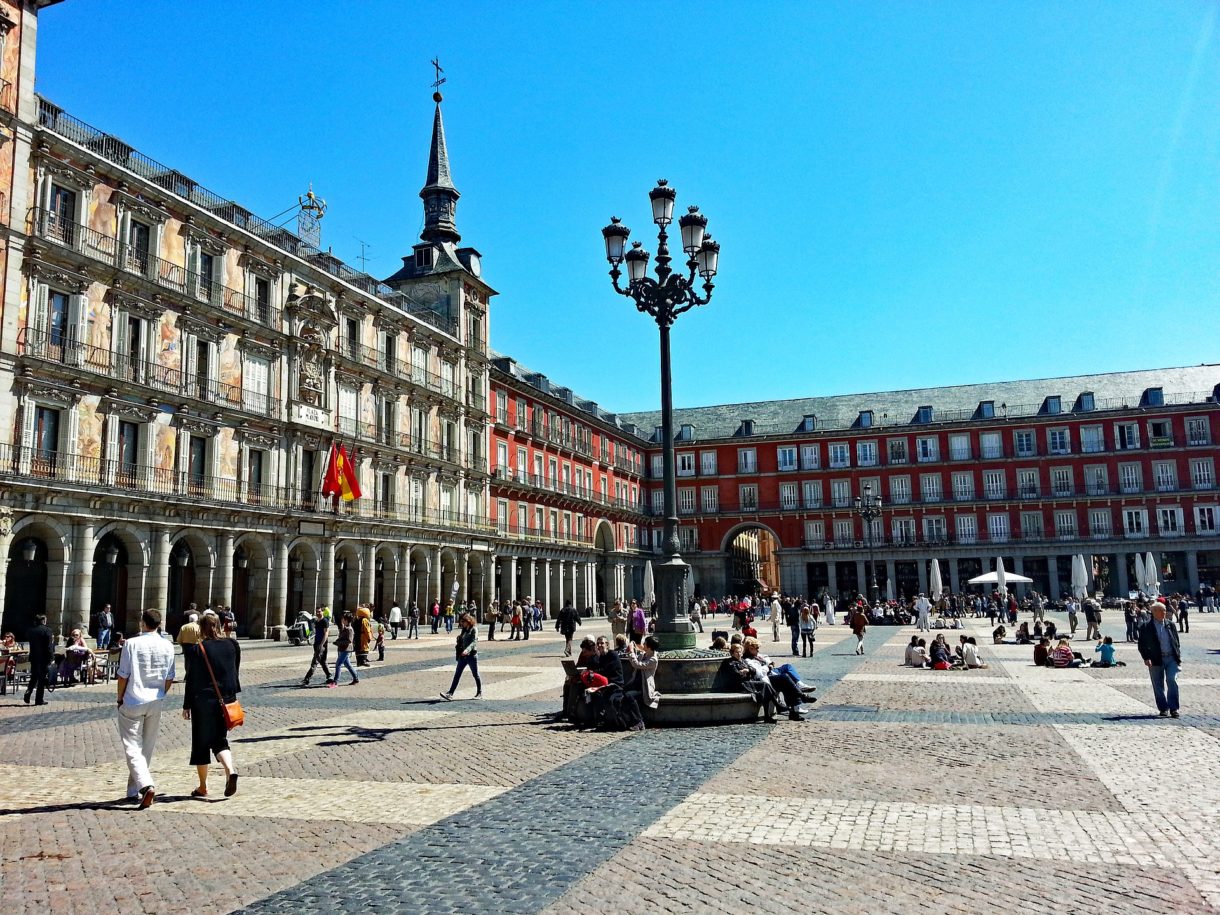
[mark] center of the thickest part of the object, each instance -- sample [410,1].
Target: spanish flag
[341,480]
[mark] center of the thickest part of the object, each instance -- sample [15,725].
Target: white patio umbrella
[1153,572]
[1080,583]
[1141,578]
[649,584]
[993,578]
[934,582]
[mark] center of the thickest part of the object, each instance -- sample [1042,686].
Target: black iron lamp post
[664,298]
[869,510]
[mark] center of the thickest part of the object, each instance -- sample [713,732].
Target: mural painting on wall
[173,245]
[368,411]
[230,369]
[102,216]
[170,353]
[98,320]
[90,440]
[163,455]
[227,451]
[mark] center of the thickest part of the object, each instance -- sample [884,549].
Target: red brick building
[565,491]
[1033,471]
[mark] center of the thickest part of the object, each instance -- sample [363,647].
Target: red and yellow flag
[341,479]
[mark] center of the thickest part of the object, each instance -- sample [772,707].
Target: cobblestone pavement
[1011,788]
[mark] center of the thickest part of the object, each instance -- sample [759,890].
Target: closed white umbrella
[1141,578]
[649,584]
[1079,578]
[1001,581]
[935,584]
[1153,570]
[889,589]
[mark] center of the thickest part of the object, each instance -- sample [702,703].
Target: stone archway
[751,556]
[120,583]
[605,582]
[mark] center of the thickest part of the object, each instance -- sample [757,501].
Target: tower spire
[439,194]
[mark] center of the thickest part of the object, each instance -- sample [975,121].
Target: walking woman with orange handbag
[211,684]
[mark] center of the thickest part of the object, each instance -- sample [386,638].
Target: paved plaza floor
[1013,788]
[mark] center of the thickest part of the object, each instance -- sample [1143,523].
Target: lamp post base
[674,629]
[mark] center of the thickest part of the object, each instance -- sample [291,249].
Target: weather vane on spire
[436,86]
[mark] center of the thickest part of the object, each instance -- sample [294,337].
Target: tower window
[423,258]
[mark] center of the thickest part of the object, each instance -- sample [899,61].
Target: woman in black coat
[201,706]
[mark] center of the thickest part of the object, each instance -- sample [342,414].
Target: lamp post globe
[663,299]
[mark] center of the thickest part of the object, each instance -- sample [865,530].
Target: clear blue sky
[907,194]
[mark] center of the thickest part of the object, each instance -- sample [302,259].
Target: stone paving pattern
[1012,788]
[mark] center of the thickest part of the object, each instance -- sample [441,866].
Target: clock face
[475,267]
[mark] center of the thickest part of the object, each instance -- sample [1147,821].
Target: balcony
[542,484]
[963,495]
[1097,489]
[524,532]
[57,348]
[995,492]
[163,274]
[1062,490]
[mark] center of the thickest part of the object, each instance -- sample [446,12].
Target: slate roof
[511,367]
[1112,390]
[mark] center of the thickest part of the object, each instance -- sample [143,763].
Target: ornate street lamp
[240,559]
[112,555]
[664,298]
[869,510]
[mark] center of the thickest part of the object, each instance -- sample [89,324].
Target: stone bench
[702,708]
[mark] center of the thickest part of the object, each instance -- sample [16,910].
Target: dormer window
[424,257]
[1087,402]
[987,409]
[865,419]
[1052,405]
[1154,397]
[923,415]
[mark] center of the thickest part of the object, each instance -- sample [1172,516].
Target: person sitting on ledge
[588,651]
[998,634]
[782,680]
[753,682]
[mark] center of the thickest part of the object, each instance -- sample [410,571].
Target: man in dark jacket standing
[42,653]
[1162,654]
[566,623]
[792,616]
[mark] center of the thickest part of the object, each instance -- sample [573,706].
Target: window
[262,299]
[788,498]
[1126,436]
[1202,473]
[923,415]
[256,461]
[1092,439]
[658,467]
[1135,522]
[1154,397]
[997,528]
[1031,525]
[207,275]
[993,484]
[419,364]
[930,488]
[967,528]
[865,419]
[686,464]
[423,258]
[814,536]
[61,220]
[658,501]
[897,448]
[711,499]
[1169,521]
[959,447]
[927,449]
[1160,433]
[812,491]
[990,445]
[840,493]
[688,538]
[502,408]
[686,500]
[1087,402]
[845,531]
[987,409]
[1099,522]
[57,320]
[900,490]
[347,410]
[1058,441]
[522,416]
[749,497]
[387,426]
[1197,431]
[128,451]
[1023,443]
[963,486]
[707,463]
[1205,519]
[809,457]
[1096,480]
[747,460]
[552,472]
[1027,483]
[1130,478]
[447,386]
[1054,405]
[866,454]
[934,530]
[840,456]
[256,385]
[139,247]
[903,530]
[785,457]
[197,462]
[1061,481]
[1065,525]
[1165,475]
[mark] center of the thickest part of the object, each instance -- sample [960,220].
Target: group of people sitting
[1062,655]
[611,697]
[939,656]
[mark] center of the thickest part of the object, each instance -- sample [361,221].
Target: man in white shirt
[146,673]
[395,620]
[923,606]
[830,610]
[776,611]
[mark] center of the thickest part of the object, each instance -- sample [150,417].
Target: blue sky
[907,195]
